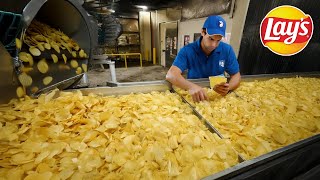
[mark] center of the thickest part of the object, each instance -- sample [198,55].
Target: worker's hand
[222,88]
[198,93]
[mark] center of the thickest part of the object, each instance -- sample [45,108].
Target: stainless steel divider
[206,122]
[210,127]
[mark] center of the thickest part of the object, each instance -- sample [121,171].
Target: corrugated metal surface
[254,58]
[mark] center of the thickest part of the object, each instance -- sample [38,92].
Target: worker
[207,56]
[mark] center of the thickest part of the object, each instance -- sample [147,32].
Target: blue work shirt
[199,65]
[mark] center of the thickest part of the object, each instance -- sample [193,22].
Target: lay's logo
[286,30]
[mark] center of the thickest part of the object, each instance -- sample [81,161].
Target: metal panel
[107,91]
[285,163]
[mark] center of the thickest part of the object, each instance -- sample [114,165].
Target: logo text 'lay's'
[286,30]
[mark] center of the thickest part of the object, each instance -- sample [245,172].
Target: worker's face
[210,42]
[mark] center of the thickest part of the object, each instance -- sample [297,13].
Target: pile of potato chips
[267,115]
[66,135]
[42,46]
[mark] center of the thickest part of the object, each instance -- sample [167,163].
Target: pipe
[112,71]
[154,55]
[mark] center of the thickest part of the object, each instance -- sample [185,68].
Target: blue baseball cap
[215,25]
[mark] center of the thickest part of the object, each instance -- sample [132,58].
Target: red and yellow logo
[286,30]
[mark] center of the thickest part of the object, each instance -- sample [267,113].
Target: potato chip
[74,63]
[18,43]
[43,66]
[41,156]
[47,46]
[23,56]
[173,143]
[47,80]
[15,173]
[84,67]
[78,70]
[40,46]
[54,58]
[39,176]
[22,158]
[214,80]
[64,37]
[64,67]
[34,51]
[25,79]
[26,69]
[34,89]
[56,47]
[279,137]
[64,58]
[74,54]
[30,59]
[78,146]
[76,47]
[20,92]
[81,53]
[43,167]
[66,173]
[38,37]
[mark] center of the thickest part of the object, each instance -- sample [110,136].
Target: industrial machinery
[21,22]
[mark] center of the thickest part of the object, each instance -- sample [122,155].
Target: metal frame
[255,168]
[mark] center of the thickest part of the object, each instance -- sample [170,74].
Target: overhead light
[142,7]
[112,11]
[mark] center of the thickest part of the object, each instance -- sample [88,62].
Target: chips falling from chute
[25,79]
[74,63]
[20,92]
[34,51]
[64,58]
[84,67]
[40,40]
[54,58]
[18,43]
[78,70]
[47,80]
[43,66]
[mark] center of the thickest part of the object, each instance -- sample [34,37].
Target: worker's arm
[224,88]
[174,77]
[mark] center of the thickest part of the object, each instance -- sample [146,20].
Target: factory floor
[98,76]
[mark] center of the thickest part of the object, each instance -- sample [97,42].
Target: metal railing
[125,57]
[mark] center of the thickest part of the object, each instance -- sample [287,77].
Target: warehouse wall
[158,17]
[238,21]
